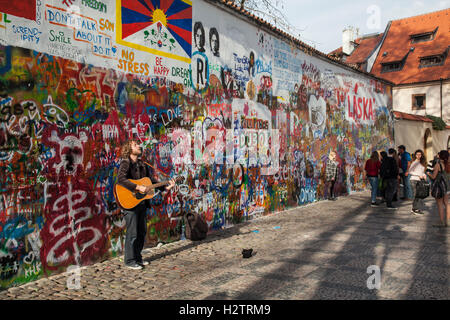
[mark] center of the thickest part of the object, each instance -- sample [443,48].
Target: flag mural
[23,8]
[162,27]
[243,117]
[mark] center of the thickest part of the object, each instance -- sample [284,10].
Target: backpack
[196,227]
[439,187]
[389,172]
[389,169]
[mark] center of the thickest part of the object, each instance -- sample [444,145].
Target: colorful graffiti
[247,125]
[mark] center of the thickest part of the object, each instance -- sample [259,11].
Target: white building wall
[402,99]
[446,102]
[411,134]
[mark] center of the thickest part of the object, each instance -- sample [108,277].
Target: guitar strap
[166,175]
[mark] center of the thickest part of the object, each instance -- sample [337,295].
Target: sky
[320,22]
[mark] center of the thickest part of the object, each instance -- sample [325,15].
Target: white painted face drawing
[317,112]
[70,152]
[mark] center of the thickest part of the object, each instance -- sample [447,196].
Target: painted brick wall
[246,119]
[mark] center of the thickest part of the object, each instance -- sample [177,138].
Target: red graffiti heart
[80,100]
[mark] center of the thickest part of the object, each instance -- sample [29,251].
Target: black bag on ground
[422,189]
[195,227]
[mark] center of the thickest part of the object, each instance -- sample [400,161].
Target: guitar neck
[159,184]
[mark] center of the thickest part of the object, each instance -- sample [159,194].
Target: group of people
[386,172]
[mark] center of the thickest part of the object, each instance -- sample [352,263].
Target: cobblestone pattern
[320,251]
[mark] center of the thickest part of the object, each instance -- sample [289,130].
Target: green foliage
[438,123]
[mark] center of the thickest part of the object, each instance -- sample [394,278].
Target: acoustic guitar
[127,199]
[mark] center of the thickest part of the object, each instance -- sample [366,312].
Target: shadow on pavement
[351,279]
[431,272]
[371,242]
[258,290]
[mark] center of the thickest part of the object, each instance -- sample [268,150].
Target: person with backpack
[416,172]
[389,173]
[404,163]
[372,170]
[397,160]
[439,188]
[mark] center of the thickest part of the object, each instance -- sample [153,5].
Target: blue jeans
[374,185]
[407,186]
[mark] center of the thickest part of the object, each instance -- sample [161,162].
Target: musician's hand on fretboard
[171,184]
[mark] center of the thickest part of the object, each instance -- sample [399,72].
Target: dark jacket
[389,168]
[134,170]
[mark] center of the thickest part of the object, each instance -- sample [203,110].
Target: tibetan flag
[162,27]
[19,8]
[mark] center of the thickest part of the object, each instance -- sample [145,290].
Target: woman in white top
[417,172]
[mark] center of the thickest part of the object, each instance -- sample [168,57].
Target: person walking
[381,184]
[331,173]
[442,166]
[389,173]
[372,170]
[416,172]
[132,167]
[397,160]
[405,161]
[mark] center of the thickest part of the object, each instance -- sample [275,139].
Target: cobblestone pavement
[319,251]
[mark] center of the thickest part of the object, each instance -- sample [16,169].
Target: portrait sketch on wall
[199,36]
[214,42]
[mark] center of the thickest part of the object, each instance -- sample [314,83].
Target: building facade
[413,54]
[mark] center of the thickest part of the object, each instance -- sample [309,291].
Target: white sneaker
[134,266]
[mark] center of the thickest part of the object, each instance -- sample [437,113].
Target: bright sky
[322,21]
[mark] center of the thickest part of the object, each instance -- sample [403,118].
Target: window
[431,61]
[422,37]
[391,66]
[418,101]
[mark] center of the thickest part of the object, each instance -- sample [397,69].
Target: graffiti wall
[245,118]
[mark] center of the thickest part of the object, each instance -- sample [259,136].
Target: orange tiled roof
[409,116]
[398,42]
[364,49]
[336,52]
[421,30]
[395,56]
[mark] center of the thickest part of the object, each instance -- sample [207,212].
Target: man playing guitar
[133,167]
